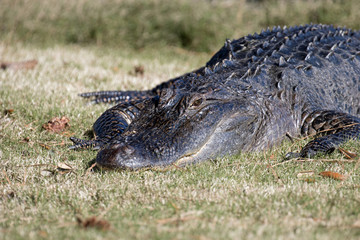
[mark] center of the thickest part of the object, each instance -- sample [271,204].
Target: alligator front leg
[113,122]
[332,128]
[116,96]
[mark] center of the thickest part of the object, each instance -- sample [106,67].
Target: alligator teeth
[254,58]
[279,34]
[293,37]
[282,62]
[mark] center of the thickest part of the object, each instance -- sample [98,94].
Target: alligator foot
[85,144]
[347,128]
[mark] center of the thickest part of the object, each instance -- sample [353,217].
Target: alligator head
[186,126]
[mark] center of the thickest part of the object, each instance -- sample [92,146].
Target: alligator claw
[84,144]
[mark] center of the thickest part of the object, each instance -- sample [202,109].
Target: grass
[250,196]
[247,196]
[193,25]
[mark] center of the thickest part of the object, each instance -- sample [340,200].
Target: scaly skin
[254,91]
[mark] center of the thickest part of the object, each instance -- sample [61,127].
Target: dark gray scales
[253,93]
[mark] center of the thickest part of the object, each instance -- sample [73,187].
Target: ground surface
[49,192]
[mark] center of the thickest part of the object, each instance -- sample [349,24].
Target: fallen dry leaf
[347,154]
[333,175]
[90,168]
[67,134]
[25,140]
[46,172]
[45,146]
[138,70]
[57,125]
[30,64]
[8,111]
[182,218]
[307,176]
[356,224]
[43,234]
[93,222]
[64,166]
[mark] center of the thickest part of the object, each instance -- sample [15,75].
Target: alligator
[252,94]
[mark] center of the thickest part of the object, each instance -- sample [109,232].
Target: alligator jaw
[192,157]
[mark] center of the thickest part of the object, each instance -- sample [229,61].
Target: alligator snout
[117,156]
[125,156]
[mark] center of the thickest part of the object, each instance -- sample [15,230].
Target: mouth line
[188,158]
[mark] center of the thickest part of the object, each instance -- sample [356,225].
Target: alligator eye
[197,102]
